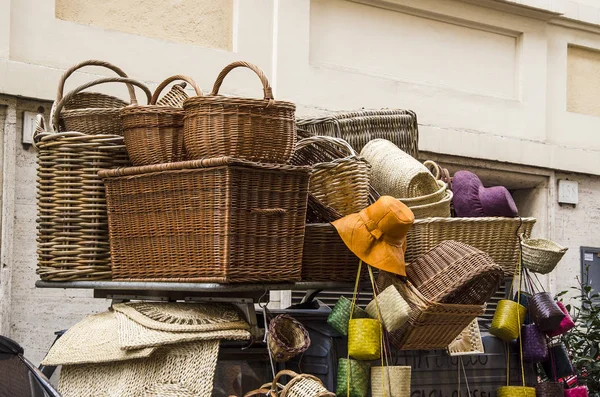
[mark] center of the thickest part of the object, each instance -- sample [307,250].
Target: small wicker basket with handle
[287,338]
[541,255]
[260,130]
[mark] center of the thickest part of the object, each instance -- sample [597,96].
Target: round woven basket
[154,133]
[434,197]
[391,381]
[454,272]
[549,389]
[515,391]
[104,118]
[260,130]
[72,232]
[395,173]
[287,338]
[541,255]
[508,319]
[438,209]
[300,385]
[339,183]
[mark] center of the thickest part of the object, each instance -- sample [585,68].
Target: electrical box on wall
[568,192]
[29,123]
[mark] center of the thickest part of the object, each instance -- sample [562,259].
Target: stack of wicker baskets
[73,242]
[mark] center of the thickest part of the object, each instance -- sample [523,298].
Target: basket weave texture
[364,339]
[549,389]
[300,385]
[325,257]
[393,309]
[467,342]
[497,237]
[395,382]
[154,133]
[214,220]
[541,255]
[437,209]
[261,130]
[287,338]
[544,311]
[340,315]
[508,319]
[340,183]
[535,348]
[72,222]
[515,391]
[358,372]
[431,325]
[359,127]
[565,325]
[96,115]
[454,272]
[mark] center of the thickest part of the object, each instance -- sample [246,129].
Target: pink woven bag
[565,325]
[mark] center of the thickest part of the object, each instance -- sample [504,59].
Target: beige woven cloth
[184,370]
[92,340]
[133,335]
[396,173]
[183,317]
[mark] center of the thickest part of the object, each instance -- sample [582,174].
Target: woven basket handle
[128,81]
[338,142]
[268,91]
[89,62]
[169,80]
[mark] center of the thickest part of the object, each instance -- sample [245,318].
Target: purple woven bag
[535,348]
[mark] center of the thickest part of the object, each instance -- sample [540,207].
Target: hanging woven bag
[535,348]
[565,325]
[154,133]
[508,319]
[339,183]
[394,311]
[523,298]
[390,381]
[578,391]
[541,255]
[340,315]
[364,334]
[545,313]
[287,338]
[559,365]
[354,375]
[258,130]
[549,389]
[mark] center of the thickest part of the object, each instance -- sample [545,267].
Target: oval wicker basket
[260,130]
[95,117]
[429,198]
[287,338]
[339,183]
[541,255]
[154,133]
[439,209]
[72,235]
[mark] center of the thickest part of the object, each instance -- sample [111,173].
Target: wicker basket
[90,117]
[467,342]
[261,130]
[287,338]
[497,237]
[454,272]
[72,231]
[213,220]
[340,183]
[300,385]
[325,257]
[154,133]
[85,100]
[431,325]
[361,126]
[438,209]
[431,198]
[540,255]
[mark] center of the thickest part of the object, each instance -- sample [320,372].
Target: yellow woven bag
[364,334]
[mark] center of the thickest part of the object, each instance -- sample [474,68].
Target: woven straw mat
[184,370]
[135,336]
[183,317]
[92,340]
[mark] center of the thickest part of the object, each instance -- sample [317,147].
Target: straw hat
[92,340]
[377,234]
[396,173]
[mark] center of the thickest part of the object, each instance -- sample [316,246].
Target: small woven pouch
[393,309]
[535,348]
[364,334]
[358,374]
[549,389]
[565,325]
[340,315]
[545,313]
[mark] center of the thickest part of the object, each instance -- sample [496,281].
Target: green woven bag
[340,315]
[356,374]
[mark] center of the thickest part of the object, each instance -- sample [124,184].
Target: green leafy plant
[583,341]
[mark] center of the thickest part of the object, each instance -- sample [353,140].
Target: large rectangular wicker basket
[498,237]
[213,220]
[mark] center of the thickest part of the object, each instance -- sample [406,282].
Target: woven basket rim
[551,245]
[447,198]
[282,344]
[150,109]
[239,101]
[409,200]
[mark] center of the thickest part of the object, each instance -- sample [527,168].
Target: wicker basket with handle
[94,113]
[213,220]
[361,126]
[261,130]
[340,183]
[497,237]
[541,255]
[154,133]
[287,338]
